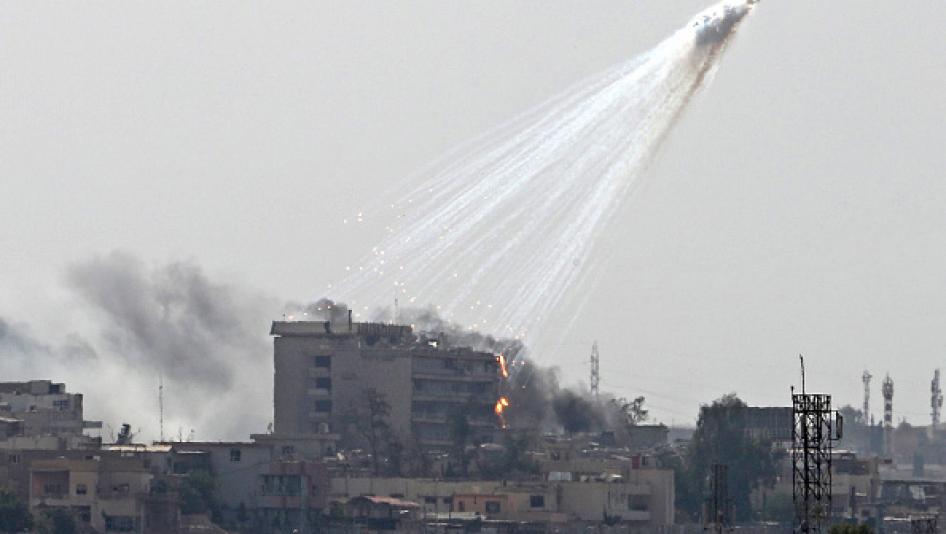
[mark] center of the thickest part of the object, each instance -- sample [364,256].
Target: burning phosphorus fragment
[501,359]
[501,404]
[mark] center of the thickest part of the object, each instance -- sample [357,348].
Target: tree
[56,521]
[721,437]
[14,515]
[370,418]
[852,415]
[632,412]
[198,493]
[460,433]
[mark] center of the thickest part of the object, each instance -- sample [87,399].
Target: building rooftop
[327,328]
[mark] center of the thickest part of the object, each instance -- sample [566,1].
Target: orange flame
[501,358]
[501,405]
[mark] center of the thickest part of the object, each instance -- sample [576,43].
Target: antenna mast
[866,379]
[936,399]
[802,359]
[595,371]
[161,403]
[888,415]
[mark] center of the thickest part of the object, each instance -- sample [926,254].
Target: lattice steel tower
[887,389]
[936,399]
[815,429]
[866,379]
[595,370]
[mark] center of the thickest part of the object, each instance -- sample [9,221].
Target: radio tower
[936,399]
[887,389]
[161,403]
[595,372]
[816,427]
[866,379]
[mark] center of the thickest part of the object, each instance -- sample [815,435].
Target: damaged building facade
[325,370]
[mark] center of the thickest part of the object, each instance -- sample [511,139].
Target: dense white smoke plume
[496,237]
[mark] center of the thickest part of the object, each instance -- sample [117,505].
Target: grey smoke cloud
[172,319]
[206,339]
[23,353]
[429,321]
[209,342]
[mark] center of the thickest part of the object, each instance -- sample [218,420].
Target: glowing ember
[501,405]
[501,358]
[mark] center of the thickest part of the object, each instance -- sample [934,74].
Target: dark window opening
[325,362]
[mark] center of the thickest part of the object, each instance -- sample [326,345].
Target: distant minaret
[936,400]
[866,379]
[888,416]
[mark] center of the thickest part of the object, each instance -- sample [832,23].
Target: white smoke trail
[499,235]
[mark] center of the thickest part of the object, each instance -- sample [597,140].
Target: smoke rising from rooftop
[206,339]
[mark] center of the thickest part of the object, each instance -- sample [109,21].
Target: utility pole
[595,369]
[815,429]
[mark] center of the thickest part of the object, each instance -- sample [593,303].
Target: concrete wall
[44,407]
[112,487]
[236,481]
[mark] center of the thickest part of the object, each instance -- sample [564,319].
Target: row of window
[466,367]
[438,387]
[81,489]
[120,523]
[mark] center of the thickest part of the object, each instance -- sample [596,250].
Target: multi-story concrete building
[324,370]
[40,414]
[107,493]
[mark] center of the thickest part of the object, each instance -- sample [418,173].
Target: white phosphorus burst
[511,219]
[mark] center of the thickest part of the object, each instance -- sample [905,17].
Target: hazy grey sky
[798,207]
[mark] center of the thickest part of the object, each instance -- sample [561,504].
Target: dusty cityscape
[472,267]
[381,428]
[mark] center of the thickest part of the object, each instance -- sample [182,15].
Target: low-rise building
[107,493]
[41,414]
[645,501]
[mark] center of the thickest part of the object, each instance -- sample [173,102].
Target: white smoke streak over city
[501,233]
